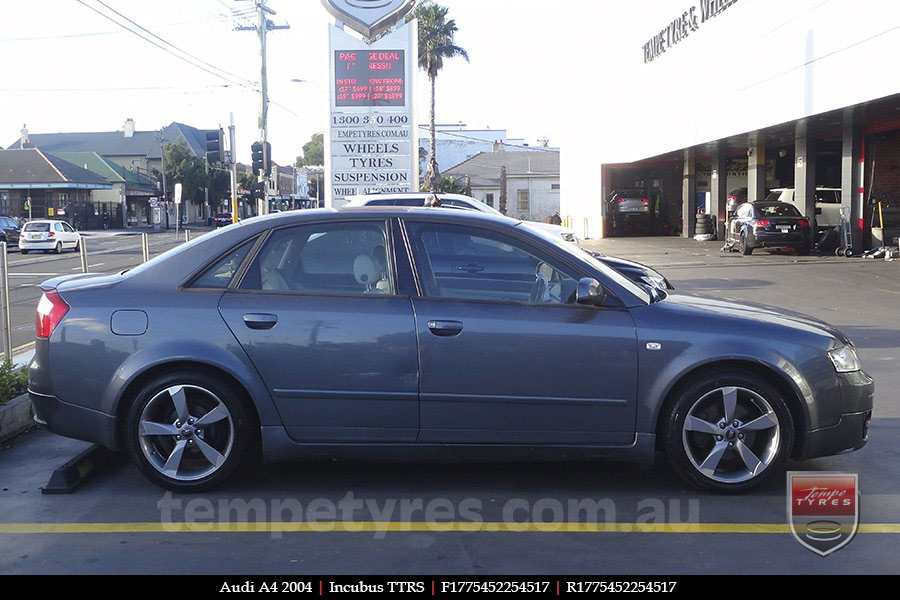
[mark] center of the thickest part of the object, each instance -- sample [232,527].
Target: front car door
[506,356]
[318,315]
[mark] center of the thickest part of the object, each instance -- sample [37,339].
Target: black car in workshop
[769,225]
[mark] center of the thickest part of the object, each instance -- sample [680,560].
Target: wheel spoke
[700,426]
[171,467]
[219,413]
[767,421]
[750,460]
[729,396]
[709,466]
[151,428]
[211,454]
[180,401]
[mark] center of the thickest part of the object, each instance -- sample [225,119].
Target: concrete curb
[16,416]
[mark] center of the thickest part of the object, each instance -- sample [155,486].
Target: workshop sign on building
[684,25]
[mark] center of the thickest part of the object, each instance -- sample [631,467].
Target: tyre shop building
[706,99]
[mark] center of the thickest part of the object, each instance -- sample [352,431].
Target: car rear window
[37,227]
[219,276]
[778,210]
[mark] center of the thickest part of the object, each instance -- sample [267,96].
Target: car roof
[362,198]
[45,221]
[381,212]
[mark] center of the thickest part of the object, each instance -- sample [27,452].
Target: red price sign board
[365,78]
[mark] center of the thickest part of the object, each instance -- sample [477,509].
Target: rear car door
[506,356]
[317,314]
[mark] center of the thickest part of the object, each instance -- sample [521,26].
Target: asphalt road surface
[107,253]
[119,523]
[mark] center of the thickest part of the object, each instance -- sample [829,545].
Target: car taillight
[803,223]
[732,198]
[50,311]
[646,201]
[763,223]
[51,234]
[621,200]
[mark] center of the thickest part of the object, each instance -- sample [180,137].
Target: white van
[828,204]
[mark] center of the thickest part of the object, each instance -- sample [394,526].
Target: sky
[67,68]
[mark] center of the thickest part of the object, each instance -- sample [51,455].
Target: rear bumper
[851,432]
[73,421]
[778,240]
[37,245]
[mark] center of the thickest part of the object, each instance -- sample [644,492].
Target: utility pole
[161,138]
[263,27]
[234,200]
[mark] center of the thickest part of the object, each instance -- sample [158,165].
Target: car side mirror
[590,292]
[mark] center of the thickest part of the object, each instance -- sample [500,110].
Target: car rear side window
[219,276]
[330,258]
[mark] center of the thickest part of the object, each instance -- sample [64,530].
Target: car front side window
[471,264]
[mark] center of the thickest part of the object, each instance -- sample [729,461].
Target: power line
[163,48]
[142,28]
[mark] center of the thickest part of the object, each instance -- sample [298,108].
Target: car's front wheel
[187,431]
[728,432]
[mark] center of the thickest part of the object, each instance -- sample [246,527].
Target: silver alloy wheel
[731,434]
[186,432]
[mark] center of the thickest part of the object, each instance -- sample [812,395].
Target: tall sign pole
[371,145]
[233,169]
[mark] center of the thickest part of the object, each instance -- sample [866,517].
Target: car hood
[554,229]
[759,313]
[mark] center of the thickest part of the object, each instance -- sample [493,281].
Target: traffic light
[214,145]
[259,191]
[262,161]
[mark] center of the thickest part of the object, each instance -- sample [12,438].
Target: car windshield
[777,210]
[582,254]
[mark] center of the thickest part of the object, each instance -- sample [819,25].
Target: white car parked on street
[49,236]
[458,201]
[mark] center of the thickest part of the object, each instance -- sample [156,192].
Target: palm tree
[436,37]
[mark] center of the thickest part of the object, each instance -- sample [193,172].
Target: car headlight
[657,281]
[845,359]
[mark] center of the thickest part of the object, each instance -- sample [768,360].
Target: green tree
[188,170]
[313,152]
[437,35]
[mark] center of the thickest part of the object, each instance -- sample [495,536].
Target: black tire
[744,248]
[243,431]
[77,247]
[676,440]
[58,248]
[23,252]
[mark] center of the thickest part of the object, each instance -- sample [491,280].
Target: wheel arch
[785,386]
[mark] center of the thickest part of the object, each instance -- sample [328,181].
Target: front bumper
[851,432]
[77,422]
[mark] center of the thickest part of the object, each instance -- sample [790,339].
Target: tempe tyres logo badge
[823,510]
[369,17]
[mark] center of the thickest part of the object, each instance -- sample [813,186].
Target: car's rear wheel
[187,431]
[744,247]
[728,432]
[58,248]
[23,251]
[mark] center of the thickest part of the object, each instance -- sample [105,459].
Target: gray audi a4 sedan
[430,334]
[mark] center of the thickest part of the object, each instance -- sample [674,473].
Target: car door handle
[445,328]
[260,322]
[470,268]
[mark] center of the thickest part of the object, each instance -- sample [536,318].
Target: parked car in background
[457,201]
[223,220]
[828,204]
[382,333]
[629,210]
[49,236]
[9,231]
[769,225]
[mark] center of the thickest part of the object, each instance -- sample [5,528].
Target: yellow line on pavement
[400,527]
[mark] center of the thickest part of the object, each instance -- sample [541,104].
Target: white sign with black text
[372,145]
